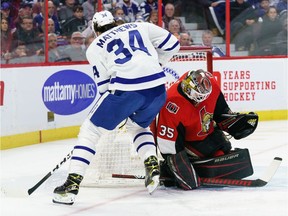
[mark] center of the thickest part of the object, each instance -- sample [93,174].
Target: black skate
[152,174]
[66,193]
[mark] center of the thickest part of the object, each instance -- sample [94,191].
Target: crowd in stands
[257,26]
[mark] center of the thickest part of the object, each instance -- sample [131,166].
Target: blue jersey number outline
[120,49]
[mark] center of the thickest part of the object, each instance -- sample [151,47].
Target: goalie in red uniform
[190,133]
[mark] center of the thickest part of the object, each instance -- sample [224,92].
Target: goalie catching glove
[239,125]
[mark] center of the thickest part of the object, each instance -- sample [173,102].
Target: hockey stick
[224,182]
[38,184]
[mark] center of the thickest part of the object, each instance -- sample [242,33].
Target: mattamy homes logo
[68,92]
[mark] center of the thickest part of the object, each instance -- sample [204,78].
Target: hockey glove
[239,125]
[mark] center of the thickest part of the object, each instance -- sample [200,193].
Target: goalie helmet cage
[115,151]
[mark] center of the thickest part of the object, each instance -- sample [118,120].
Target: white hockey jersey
[127,57]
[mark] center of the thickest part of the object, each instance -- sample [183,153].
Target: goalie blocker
[177,172]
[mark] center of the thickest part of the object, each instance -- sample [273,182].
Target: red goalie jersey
[184,124]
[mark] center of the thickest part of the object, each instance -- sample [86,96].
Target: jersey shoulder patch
[172,107]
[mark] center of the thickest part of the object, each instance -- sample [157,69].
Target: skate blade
[153,185]
[66,199]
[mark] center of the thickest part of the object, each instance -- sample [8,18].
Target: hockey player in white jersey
[126,62]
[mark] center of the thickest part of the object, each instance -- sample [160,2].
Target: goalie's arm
[221,108]
[237,125]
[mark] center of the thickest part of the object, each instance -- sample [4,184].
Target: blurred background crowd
[257,27]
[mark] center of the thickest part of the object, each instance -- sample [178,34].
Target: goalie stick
[224,182]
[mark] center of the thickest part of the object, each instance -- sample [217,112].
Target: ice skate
[152,174]
[66,193]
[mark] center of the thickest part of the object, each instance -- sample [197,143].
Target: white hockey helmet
[102,18]
[197,85]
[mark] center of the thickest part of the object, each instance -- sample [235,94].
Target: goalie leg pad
[235,165]
[183,171]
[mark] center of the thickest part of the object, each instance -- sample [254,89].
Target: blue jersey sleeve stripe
[165,41]
[173,47]
[138,80]
[103,82]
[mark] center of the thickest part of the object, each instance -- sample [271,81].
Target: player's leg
[108,112]
[145,147]
[83,152]
[138,125]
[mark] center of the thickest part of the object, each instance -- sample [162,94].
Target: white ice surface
[22,168]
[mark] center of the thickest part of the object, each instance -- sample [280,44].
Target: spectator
[185,39]
[52,13]
[169,15]
[207,39]
[88,31]
[66,11]
[281,6]
[217,10]
[37,8]
[153,17]
[30,36]
[109,5]
[177,6]
[281,40]
[6,13]
[147,6]
[244,24]
[50,27]
[17,56]
[118,13]
[55,54]
[39,17]
[89,9]
[61,40]
[254,3]
[6,39]
[89,40]
[131,9]
[270,27]
[262,8]
[242,15]
[75,23]
[282,10]
[21,55]
[76,50]
[174,28]
[25,10]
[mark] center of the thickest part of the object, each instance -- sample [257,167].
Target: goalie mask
[197,85]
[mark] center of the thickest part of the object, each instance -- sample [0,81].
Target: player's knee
[90,134]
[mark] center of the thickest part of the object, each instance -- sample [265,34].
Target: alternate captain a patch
[172,107]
